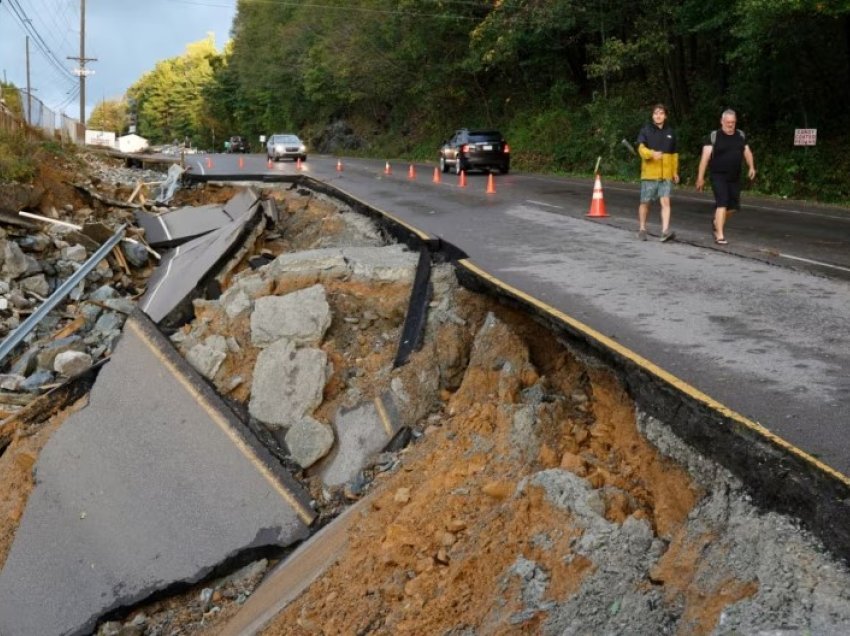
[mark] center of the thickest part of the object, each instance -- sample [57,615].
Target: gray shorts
[652,190]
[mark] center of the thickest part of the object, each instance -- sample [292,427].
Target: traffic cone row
[597,203]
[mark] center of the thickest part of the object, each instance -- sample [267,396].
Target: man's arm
[703,164]
[675,167]
[751,162]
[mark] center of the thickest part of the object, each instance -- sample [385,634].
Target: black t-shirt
[728,154]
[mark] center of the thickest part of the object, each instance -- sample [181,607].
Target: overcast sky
[128,37]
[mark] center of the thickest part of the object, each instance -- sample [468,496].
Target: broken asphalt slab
[184,271]
[153,484]
[183,224]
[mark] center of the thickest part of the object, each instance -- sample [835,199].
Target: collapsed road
[330,296]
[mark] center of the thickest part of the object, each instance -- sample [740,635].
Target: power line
[17,10]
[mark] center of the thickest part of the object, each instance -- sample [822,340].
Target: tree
[109,115]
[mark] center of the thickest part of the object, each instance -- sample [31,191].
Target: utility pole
[29,90]
[82,72]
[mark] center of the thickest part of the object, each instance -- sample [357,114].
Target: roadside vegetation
[565,80]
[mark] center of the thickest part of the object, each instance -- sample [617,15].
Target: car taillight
[464,148]
[506,148]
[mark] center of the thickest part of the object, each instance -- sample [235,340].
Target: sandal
[721,241]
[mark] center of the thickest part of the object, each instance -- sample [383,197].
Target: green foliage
[12,98]
[109,115]
[17,160]
[566,80]
[170,98]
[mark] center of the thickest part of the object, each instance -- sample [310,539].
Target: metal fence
[35,115]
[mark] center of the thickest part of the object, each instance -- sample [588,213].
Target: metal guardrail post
[14,338]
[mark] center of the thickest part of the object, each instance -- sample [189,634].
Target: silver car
[286,147]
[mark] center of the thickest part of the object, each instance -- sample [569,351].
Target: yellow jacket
[654,169]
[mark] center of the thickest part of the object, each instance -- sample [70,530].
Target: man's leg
[719,223]
[643,214]
[665,214]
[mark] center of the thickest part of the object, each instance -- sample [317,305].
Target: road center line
[812,262]
[548,205]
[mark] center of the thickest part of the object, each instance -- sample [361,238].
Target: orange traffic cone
[462,180]
[437,178]
[491,184]
[241,162]
[597,203]
[411,172]
[298,163]
[270,164]
[209,162]
[339,165]
[388,169]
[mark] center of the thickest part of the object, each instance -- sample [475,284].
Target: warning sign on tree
[805,136]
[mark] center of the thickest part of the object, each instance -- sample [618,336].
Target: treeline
[565,80]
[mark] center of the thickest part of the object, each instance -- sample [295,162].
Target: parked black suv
[476,150]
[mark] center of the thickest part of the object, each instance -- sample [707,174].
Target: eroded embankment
[535,497]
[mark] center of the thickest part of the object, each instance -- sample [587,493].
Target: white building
[100,138]
[132,143]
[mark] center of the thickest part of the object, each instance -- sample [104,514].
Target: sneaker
[669,235]
[642,235]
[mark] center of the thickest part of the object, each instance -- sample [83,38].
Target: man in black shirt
[724,149]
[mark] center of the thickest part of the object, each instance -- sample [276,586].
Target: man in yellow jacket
[659,170]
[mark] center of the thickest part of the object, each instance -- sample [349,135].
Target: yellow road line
[385,419]
[305,513]
[657,371]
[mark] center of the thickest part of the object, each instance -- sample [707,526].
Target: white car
[286,147]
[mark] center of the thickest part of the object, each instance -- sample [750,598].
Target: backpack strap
[713,136]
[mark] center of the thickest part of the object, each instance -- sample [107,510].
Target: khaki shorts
[652,190]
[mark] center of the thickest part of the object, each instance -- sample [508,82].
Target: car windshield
[484,135]
[285,139]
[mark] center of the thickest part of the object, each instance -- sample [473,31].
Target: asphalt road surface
[760,325]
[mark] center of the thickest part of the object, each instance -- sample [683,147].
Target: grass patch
[18,161]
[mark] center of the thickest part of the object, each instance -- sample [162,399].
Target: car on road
[286,147]
[476,150]
[237,144]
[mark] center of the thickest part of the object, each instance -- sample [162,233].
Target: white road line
[201,166]
[548,205]
[813,262]
[163,279]
[164,227]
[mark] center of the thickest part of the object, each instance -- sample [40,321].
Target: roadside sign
[805,136]
[262,139]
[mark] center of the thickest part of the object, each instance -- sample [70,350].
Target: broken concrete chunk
[302,317]
[14,260]
[71,363]
[308,440]
[135,254]
[11,381]
[37,285]
[76,253]
[361,432]
[235,302]
[37,380]
[48,354]
[288,384]
[207,356]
